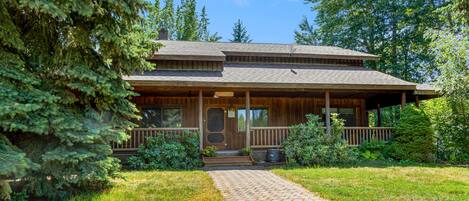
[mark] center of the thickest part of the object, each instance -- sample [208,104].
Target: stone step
[227,161]
[228,153]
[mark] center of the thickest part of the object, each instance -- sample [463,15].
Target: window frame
[251,109]
[161,108]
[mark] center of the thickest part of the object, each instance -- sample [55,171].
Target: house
[215,88]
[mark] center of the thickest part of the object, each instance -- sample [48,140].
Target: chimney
[163,34]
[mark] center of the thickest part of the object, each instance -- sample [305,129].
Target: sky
[267,21]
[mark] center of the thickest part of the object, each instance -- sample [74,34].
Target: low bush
[209,151]
[373,150]
[308,144]
[168,152]
[246,151]
[413,139]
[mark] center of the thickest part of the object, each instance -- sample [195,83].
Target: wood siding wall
[293,60]
[282,111]
[189,65]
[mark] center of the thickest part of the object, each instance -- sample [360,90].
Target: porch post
[248,120]
[417,101]
[201,121]
[403,100]
[378,114]
[328,113]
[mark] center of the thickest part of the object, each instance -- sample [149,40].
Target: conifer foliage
[240,34]
[62,97]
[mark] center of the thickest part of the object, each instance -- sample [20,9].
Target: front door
[215,127]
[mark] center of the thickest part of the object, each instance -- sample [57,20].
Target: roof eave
[270,85]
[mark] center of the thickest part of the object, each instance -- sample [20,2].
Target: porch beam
[201,120]
[403,100]
[328,113]
[248,120]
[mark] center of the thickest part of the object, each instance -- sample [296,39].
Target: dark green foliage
[240,34]
[450,47]
[393,30]
[209,151]
[62,97]
[308,144]
[413,137]
[246,151]
[168,152]
[182,23]
[373,150]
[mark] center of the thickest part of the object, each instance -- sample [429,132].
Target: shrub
[308,144]
[209,151]
[373,150]
[168,152]
[246,151]
[413,138]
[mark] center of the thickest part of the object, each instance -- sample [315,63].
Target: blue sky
[267,21]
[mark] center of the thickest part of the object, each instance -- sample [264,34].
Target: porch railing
[271,137]
[138,135]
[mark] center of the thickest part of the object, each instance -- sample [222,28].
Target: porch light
[223,94]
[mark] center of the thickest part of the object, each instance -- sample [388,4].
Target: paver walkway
[257,184]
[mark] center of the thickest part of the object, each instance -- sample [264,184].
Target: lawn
[383,183]
[158,185]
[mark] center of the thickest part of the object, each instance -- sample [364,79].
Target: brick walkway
[257,184]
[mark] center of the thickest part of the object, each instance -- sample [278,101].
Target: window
[161,118]
[347,114]
[259,118]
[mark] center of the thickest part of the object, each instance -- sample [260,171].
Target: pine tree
[187,20]
[203,26]
[393,30]
[167,20]
[62,97]
[240,34]
[152,20]
[307,34]
[203,33]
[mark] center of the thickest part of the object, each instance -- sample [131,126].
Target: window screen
[259,118]
[161,117]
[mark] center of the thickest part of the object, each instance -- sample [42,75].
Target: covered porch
[221,115]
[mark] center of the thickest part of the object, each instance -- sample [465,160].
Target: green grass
[383,183]
[158,185]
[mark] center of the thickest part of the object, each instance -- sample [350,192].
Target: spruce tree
[167,17]
[187,20]
[203,32]
[62,96]
[240,34]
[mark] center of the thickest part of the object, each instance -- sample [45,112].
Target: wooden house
[216,88]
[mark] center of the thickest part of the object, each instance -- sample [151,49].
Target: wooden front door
[215,127]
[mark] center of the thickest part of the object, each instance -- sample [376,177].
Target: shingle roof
[220,49]
[276,76]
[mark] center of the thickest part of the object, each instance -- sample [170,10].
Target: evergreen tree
[307,34]
[167,17]
[62,97]
[187,17]
[152,20]
[203,33]
[240,34]
[393,30]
